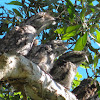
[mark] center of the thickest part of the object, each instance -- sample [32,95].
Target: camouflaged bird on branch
[21,38]
[44,55]
[22,41]
[65,68]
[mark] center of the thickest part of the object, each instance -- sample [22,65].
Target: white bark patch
[38,85]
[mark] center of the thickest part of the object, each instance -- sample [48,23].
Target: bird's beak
[54,21]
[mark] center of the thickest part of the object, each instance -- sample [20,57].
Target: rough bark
[20,72]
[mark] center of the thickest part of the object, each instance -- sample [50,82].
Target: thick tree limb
[19,71]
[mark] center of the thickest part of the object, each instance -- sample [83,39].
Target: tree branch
[35,82]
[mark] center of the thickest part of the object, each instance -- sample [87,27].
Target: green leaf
[60,31]
[15,3]
[83,14]
[99,93]
[93,10]
[68,36]
[71,9]
[11,12]
[68,31]
[72,28]
[16,93]
[17,13]
[1,95]
[75,84]
[98,36]
[78,76]
[92,29]
[81,42]
[95,60]
[98,87]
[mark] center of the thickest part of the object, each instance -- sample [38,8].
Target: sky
[80,70]
[2,2]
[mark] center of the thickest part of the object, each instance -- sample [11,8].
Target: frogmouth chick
[65,68]
[21,38]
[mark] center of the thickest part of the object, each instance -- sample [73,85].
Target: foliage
[7,93]
[77,81]
[77,24]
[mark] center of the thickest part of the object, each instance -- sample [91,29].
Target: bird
[44,55]
[21,38]
[65,67]
[87,90]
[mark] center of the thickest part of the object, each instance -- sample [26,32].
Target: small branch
[87,73]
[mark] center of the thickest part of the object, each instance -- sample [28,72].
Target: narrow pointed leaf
[98,36]
[69,35]
[15,3]
[17,13]
[83,13]
[80,44]
[95,60]
[70,9]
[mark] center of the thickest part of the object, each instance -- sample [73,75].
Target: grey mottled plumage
[87,90]
[65,68]
[21,38]
[45,54]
